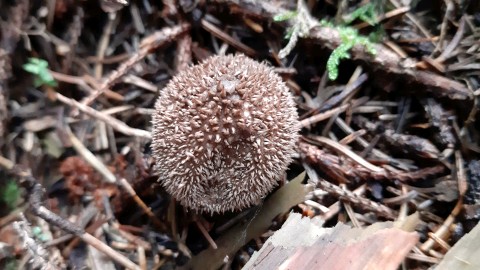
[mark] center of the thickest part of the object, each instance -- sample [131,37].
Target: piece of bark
[302,243]
[465,254]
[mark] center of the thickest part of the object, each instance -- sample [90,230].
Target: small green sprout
[10,194]
[39,68]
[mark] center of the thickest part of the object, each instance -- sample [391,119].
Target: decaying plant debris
[394,135]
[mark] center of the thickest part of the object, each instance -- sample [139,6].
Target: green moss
[350,38]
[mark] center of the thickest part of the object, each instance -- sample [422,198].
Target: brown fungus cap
[224,132]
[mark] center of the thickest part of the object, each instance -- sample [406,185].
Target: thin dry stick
[206,234]
[131,237]
[127,187]
[444,228]
[462,188]
[423,258]
[449,16]
[349,196]
[3,100]
[351,215]
[91,158]
[353,85]
[83,83]
[102,247]
[103,44]
[461,173]
[113,122]
[74,30]
[352,137]
[172,219]
[335,208]
[154,41]
[317,206]
[415,21]
[322,116]
[454,42]
[142,83]
[439,241]
[227,38]
[347,152]
[83,219]
[403,212]
[436,254]
[142,258]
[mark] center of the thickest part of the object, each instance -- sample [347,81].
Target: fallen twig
[114,123]
[154,41]
[349,196]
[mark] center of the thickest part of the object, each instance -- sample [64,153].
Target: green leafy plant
[39,68]
[10,194]
[350,37]
[300,22]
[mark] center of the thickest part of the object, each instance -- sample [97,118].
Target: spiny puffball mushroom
[224,132]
